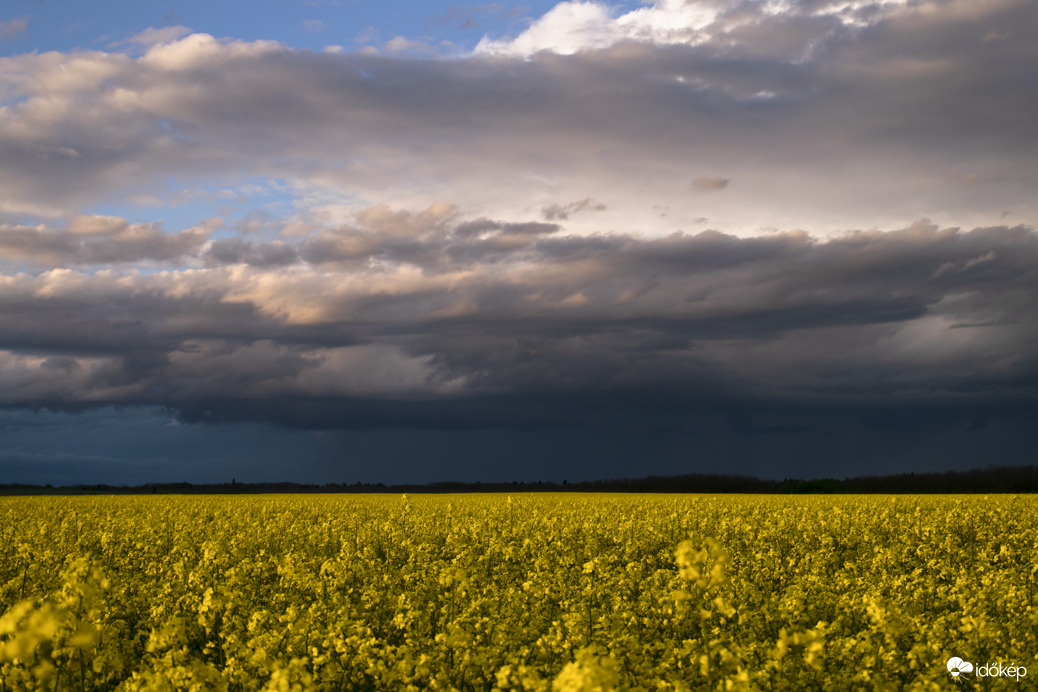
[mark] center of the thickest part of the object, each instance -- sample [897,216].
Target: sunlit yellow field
[538,592]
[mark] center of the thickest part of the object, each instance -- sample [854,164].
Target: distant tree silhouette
[993,479]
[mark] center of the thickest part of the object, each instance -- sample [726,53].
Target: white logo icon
[957,667]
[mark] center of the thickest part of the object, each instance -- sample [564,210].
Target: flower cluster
[535,592]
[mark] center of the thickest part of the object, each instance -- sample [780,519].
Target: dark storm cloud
[918,315]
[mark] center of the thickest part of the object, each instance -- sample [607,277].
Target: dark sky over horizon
[623,443]
[582,241]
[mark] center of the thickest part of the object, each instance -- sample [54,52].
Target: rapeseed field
[527,592]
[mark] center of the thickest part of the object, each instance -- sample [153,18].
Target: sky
[406,242]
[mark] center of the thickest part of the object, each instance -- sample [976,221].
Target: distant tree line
[993,479]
